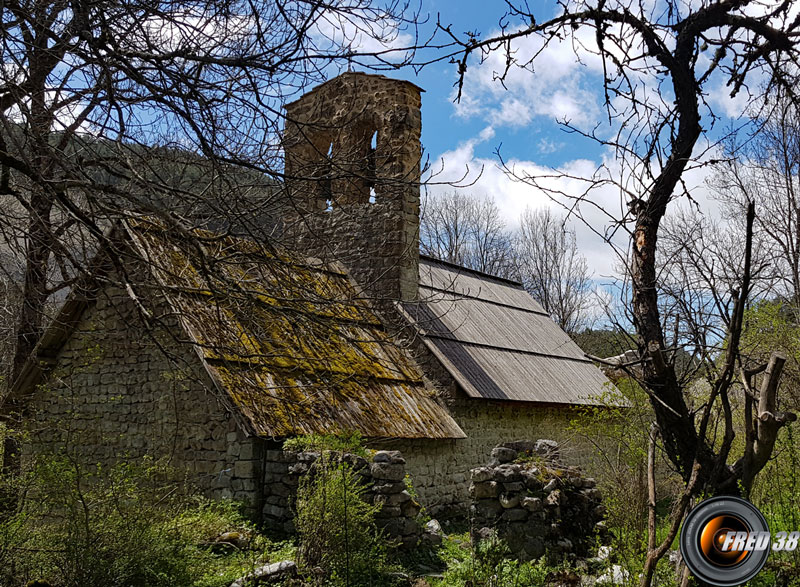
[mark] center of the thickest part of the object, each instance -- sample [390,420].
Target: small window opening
[325,188]
[371,170]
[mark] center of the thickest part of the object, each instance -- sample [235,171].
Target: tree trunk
[34,293]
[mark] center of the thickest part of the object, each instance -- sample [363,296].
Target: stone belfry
[352,148]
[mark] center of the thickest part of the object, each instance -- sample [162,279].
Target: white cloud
[190,30]
[557,87]
[546,146]
[594,219]
[483,176]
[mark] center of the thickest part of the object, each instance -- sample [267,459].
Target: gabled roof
[291,344]
[497,342]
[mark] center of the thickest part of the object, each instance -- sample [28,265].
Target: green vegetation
[488,564]
[621,438]
[339,540]
[140,525]
[350,443]
[131,526]
[603,343]
[773,326]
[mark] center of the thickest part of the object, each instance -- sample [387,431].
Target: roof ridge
[428,258]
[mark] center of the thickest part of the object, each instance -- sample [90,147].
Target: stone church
[212,354]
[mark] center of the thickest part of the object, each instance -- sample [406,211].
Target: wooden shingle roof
[497,342]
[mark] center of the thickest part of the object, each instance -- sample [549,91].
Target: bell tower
[352,148]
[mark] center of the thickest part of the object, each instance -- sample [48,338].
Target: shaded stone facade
[114,395]
[441,469]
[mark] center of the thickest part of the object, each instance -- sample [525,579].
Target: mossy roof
[292,343]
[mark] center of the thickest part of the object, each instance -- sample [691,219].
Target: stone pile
[384,480]
[535,504]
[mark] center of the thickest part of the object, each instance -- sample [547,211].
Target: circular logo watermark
[725,541]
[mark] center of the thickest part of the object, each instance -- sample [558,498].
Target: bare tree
[542,253]
[700,272]
[766,170]
[552,269]
[467,230]
[112,108]
[658,65]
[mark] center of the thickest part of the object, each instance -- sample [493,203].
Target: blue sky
[522,121]
[446,123]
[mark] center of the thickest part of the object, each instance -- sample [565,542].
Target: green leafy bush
[351,443]
[130,526]
[619,427]
[339,542]
[487,565]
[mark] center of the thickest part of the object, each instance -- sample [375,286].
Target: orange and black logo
[725,541]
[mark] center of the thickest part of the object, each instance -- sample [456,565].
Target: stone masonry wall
[441,468]
[535,504]
[383,478]
[113,396]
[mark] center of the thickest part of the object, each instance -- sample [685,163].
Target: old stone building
[212,354]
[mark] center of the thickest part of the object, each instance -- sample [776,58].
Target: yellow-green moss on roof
[294,344]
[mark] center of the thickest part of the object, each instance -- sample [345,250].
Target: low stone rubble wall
[384,480]
[536,504]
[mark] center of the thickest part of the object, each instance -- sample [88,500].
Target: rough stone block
[509,500]
[520,446]
[514,515]
[532,482]
[300,468]
[486,508]
[246,450]
[481,474]
[245,469]
[389,456]
[275,511]
[389,511]
[502,455]
[392,498]
[281,456]
[395,487]
[410,509]
[508,473]
[483,490]
[388,471]
[532,504]
[547,448]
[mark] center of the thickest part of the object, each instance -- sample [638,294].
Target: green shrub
[339,542]
[351,443]
[487,565]
[129,526]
